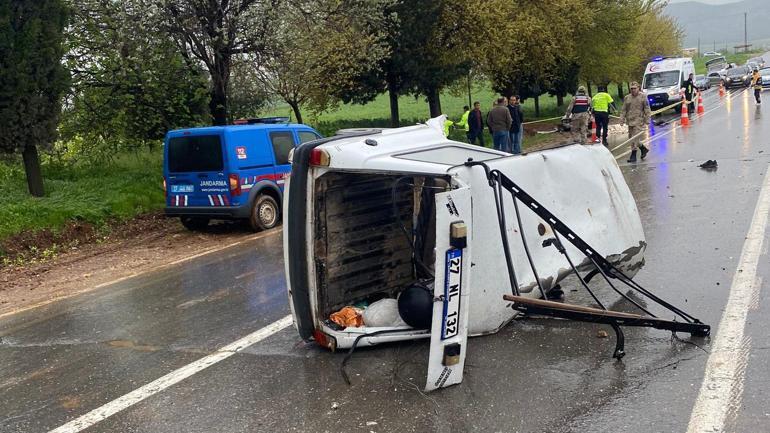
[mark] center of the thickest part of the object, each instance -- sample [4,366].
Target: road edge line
[723,379]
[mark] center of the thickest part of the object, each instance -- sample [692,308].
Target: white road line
[176,376]
[725,370]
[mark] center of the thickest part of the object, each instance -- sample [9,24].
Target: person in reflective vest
[756,81]
[578,111]
[463,123]
[601,104]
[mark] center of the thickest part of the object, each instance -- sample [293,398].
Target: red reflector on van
[320,157]
[235,185]
[324,340]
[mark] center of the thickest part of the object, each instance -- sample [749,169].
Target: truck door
[449,331]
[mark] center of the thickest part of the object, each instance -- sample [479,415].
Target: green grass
[130,185]
[737,58]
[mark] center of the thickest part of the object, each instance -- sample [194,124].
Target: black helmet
[415,305]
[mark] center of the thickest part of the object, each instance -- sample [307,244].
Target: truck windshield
[655,80]
[194,153]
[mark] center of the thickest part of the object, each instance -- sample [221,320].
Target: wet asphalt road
[65,359]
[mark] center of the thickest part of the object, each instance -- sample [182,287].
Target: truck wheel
[194,223]
[265,213]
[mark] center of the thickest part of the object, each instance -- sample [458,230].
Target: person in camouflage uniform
[578,112]
[636,113]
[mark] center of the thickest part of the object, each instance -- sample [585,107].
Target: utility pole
[698,46]
[745,34]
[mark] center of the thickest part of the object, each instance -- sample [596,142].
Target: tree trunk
[590,92]
[559,100]
[394,116]
[32,170]
[295,107]
[434,102]
[537,106]
[620,92]
[220,77]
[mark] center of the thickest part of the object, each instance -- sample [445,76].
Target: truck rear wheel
[194,223]
[265,213]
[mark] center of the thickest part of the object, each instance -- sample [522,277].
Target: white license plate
[182,188]
[452,291]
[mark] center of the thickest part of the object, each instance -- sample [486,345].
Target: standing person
[578,112]
[476,125]
[689,93]
[499,122]
[756,81]
[463,123]
[635,112]
[517,118]
[601,104]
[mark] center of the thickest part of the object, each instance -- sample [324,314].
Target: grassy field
[130,185]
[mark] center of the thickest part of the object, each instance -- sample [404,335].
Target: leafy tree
[130,85]
[321,46]
[214,31]
[32,79]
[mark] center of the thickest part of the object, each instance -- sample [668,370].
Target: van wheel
[264,213]
[194,223]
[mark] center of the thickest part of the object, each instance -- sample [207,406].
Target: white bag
[383,313]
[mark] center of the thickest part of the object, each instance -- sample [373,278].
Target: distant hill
[721,23]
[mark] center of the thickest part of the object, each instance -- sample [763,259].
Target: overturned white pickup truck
[463,236]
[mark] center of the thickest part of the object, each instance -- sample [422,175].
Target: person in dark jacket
[689,93]
[499,122]
[476,125]
[517,118]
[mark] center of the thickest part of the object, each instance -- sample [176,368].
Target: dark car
[739,76]
[759,61]
[702,82]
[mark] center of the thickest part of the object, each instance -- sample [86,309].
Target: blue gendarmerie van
[230,172]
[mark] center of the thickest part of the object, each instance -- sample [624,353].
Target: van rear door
[449,331]
[282,141]
[195,164]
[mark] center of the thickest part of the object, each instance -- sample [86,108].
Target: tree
[32,79]
[321,46]
[538,40]
[130,85]
[213,31]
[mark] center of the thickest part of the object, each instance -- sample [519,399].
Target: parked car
[702,82]
[230,172]
[716,77]
[711,54]
[738,76]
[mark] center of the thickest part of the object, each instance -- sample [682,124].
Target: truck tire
[194,223]
[265,213]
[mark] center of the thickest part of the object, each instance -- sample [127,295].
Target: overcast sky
[711,2]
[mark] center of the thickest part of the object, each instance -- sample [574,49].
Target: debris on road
[711,164]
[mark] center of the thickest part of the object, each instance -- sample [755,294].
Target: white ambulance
[663,80]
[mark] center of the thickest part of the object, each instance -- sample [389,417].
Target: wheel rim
[267,214]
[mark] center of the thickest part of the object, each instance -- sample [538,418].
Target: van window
[194,153]
[305,136]
[282,142]
[661,79]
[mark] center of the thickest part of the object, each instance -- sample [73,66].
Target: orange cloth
[348,316]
